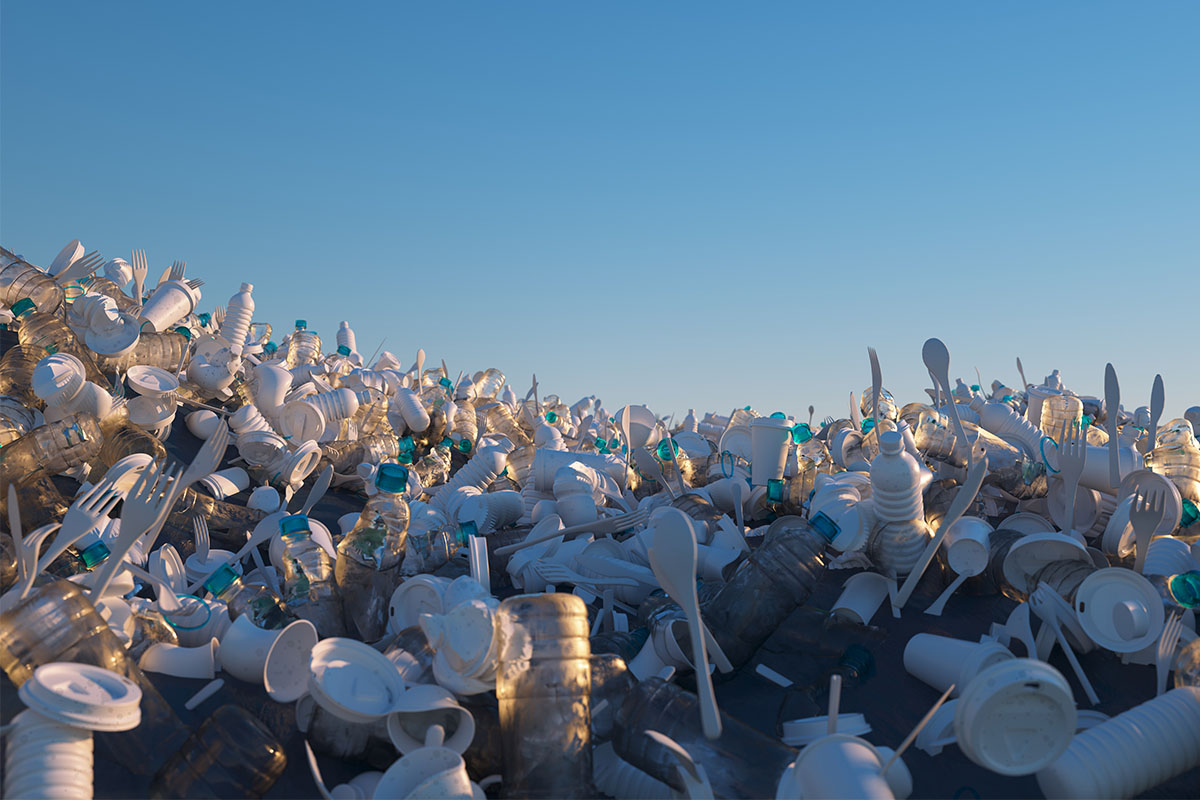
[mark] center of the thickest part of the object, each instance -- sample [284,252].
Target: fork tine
[114,497]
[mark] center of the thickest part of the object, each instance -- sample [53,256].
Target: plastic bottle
[371,417]
[108,288]
[230,755]
[500,420]
[239,312]
[346,455]
[768,586]
[264,607]
[465,427]
[1180,592]
[304,346]
[17,398]
[741,763]
[896,481]
[166,350]
[56,622]
[19,279]
[489,384]
[370,555]
[48,332]
[346,338]
[309,585]
[53,448]
[1059,410]
[1000,419]
[543,683]
[1180,464]
[1187,666]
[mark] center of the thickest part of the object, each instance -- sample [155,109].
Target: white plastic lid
[1119,610]
[151,381]
[353,680]
[1026,522]
[1015,717]
[737,441]
[891,442]
[84,696]
[421,594]
[301,422]
[420,707]
[116,338]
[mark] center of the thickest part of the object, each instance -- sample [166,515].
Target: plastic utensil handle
[876,384]
[1112,402]
[937,606]
[966,495]
[1157,398]
[710,716]
[318,490]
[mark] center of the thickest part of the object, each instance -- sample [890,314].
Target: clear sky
[681,204]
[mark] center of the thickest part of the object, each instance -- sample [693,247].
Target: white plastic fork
[178,268]
[1146,514]
[558,573]
[200,528]
[1165,656]
[145,507]
[140,271]
[1045,604]
[610,525]
[83,517]
[1072,454]
[80,268]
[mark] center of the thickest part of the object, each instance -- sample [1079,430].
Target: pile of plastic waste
[239,567]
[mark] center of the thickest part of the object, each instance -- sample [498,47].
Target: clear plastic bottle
[500,420]
[304,346]
[1180,592]
[488,385]
[345,456]
[309,585]
[53,448]
[1059,410]
[690,424]
[767,587]
[433,468]
[230,755]
[1187,666]
[17,398]
[265,608]
[1179,463]
[543,683]
[165,350]
[741,763]
[896,481]
[370,555]
[19,279]
[371,417]
[465,427]
[48,332]
[56,622]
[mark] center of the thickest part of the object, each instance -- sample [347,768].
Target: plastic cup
[420,708]
[173,301]
[966,546]
[429,772]
[182,662]
[769,440]
[1168,556]
[841,766]
[285,671]
[940,661]
[861,596]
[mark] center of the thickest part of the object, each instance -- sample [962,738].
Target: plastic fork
[84,516]
[1072,454]
[140,270]
[177,270]
[558,573]
[610,525]
[219,316]
[1165,657]
[1045,604]
[145,507]
[200,528]
[1145,515]
[80,268]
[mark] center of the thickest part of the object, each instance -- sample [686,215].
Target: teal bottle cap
[23,306]
[343,350]
[801,433]
[301,324]
[220,580]
[294,525]
[94,553]
[1185,588]
[391,478]
[775,490]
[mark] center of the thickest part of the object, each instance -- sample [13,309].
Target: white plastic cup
[861,596]
[1168,556]
[226,482]
[940,661]
[1095,473]
[966,546]
[1131,752]
[285,671]
[170,303]
[181,662]
[244,649]
[841,766]
[420,708]
[428,772]
[271,384]
[769,440]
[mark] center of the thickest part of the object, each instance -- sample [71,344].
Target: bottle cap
[84,696]
[301,324]
[294,525]
[391,478]
[891,443]
[342,350]
[221,580]
[23,307]
[1185,588]
[58,378]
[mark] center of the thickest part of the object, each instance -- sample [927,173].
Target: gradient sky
[682,204]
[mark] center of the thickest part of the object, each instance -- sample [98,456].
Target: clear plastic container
[48,332]
[741,763]
[543,683]
[1059,410]
[56,622]
[500,420]
[309,584]
[1180,464]
[371,417]
[265,608]
[370,555]
[109,288]
[53,448]
[345,456]
[165,350]
[767,587]
[20,279]
[230,755]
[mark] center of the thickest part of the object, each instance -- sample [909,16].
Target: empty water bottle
[20,279]
[230,755]
[309,584]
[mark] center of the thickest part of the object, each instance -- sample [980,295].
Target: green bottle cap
[775,490]
[665,448]
[1185,588]
[466,530]
[95,553]
[343,350]
[391,478]
[301,324]
[867,425]
[187,334]
[294,526]
[204,318]
[23,306]
[778,415]
[825,526]
[464,445]
[801,433]
[270,347]
[221,580]
[551,417]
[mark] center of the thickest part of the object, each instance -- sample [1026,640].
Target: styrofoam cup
[1131,752]
[966,546]
[841,766]
[285,671]
[861,596]
[244,649]
[1168,556]
[181,662]
[769,440]
[427,772]
[940,661]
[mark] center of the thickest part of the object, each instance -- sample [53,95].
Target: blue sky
[683,204]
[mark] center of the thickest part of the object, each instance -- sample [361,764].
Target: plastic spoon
[937,360]
[648,464]
[1020,369]
[673,558]
[937,606]
[1112,404]
[1156,408]
[876,385]
[318,490]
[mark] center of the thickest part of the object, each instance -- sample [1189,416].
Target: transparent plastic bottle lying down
[230,755]
[166,350]
[265,609]
[48,332]
[370,555]
[19,278]
[309,586]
